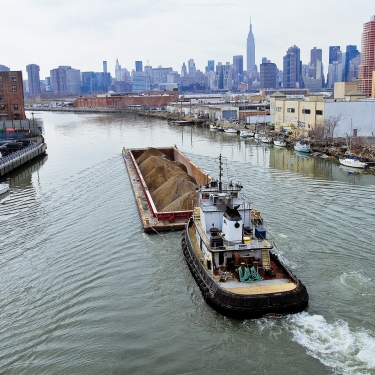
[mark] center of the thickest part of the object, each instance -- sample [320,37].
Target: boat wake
[335,345]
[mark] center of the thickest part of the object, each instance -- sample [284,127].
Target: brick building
[11,96]
[146,100]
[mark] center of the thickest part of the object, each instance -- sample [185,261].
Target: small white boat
[257,136]
[3,188]
[266,139]
[230,130]
[302,147]
[245,133]
[213,127]
[279,142]
[350,161]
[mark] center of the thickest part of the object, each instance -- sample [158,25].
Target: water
[85,291]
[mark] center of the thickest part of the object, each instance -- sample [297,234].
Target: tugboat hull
[240,306]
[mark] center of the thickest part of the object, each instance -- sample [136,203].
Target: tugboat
[232,257]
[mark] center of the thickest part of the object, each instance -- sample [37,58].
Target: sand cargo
[164,183]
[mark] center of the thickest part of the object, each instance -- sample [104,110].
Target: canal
[85,291]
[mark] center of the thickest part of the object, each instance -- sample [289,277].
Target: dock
[19,158]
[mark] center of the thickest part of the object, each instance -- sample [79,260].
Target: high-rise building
[65,80]
[141,82]
[34,79]
[333,54]
[268,73]
[250,48]
[237,69]
[183,70]
[4,68]
[192,68]
[315,54]
[367,66]
[351,53]
[138,66]
[210,66]
[117,71]
[292,68]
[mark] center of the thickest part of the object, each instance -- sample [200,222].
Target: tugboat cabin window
[278,109]
[307,111]
[290,110]
[319,112]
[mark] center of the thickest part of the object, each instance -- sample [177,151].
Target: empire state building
[250,51]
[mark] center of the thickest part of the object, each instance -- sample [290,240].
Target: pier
[18,158]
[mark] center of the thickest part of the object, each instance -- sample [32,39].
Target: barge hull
[152,220]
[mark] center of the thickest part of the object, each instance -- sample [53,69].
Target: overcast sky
[83,33]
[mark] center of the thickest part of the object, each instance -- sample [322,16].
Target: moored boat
[279,142]
[230,130]
[245,133]
[233,259]
[302,147]
[353,162]
[4,188]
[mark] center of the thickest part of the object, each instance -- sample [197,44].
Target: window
[319,112]
[14,88]
[307,111]
[2,107]
[291,110]
[1,88]
[13,78]
[1,98]
[1,78]
[278,109]
[15,106]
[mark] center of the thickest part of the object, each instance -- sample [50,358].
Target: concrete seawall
[18,158]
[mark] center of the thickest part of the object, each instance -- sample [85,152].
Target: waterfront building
[367,66]
[304,113]
[138,66]
[33,79]
[268,75]
[292,68]
[250,49]
[11,96]
[65,81]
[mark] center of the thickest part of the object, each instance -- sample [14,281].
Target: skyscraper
[292,68]
[315,54]
[237,70]
[367,65]
[268,72]
[210,66]
[34,79]
[138,66]
[351,53]
[192,68]
[250,48]
[333,54]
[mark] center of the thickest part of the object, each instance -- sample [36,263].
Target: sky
[167,33]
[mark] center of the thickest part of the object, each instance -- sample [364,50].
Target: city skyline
[82,35]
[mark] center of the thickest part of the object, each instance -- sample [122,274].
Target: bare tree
[330,125]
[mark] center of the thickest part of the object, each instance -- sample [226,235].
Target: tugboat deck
[258,287]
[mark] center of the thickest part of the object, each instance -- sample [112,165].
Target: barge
[152,219]
[233,259]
